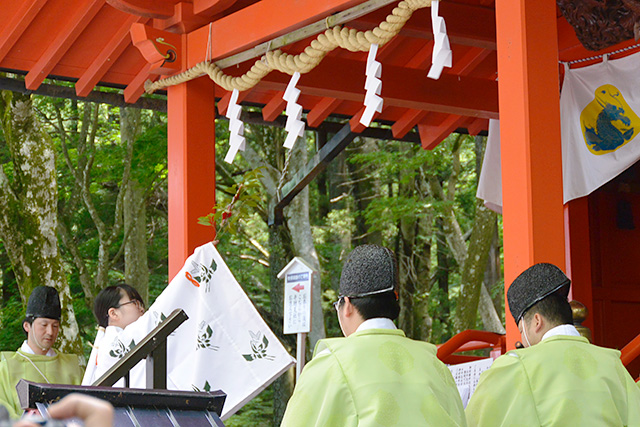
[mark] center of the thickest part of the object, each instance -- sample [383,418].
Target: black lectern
[153,406]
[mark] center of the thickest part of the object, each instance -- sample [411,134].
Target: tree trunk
[364,188]
[473,270]
[28,211]
[283,386]
[136,268]
[297,215]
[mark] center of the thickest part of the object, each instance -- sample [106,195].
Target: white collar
[561,330]
[376,323]
[25,348]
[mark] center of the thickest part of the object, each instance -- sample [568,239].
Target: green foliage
[257,413]
[247,197]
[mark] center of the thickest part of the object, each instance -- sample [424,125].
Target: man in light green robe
[559,378]
[36,360]
[375,376]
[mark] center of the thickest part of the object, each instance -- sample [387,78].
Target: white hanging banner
[236,128]
[490,182]
[294,126]
[599,108]
[441,56]
[372,100]
[224,345]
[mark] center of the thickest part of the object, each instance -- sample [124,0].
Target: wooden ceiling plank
[432,135]
[354,122]
[260,22]
[321,111]
[477,126]
[405,123]
[135,89]
[274,107]
[107,57]
[401,87]
[387,49]
[466,24]
[464,65]
[422,59]
[62,43]
[14,28]
[211,7]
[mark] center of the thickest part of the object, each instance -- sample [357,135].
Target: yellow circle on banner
[608,122]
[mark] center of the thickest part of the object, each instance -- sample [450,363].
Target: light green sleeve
[321,397]
[8,395]
[633,400]
[503,396]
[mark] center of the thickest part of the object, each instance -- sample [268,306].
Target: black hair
[109,298]
[381,305]
[554,308]
[29,320]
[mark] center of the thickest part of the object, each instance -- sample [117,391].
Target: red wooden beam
[531,154]
[466,24]
[147,8]
[405,123]
[477,126]
[211,7]
[191,166]
[422,58]
[321,111]
[259,22]
[135,89]
[401,87]
[355,124]
[274,107]
[223,103]
[15,26]
[432,135]
[161,49]
[465,64]
[107,57]
[67,36]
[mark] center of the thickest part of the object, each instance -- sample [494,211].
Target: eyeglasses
[366,294]
[138,304]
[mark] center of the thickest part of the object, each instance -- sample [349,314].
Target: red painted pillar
[527,43]
[191,164]
[578,241]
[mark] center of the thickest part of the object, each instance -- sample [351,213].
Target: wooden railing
[467,341]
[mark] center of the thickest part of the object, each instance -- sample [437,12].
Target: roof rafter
[401,87]
[260,22]
[466,25]
[107,57]
[321,111]
[18,23]
[408,120]
[62,43]
[433,134]
[135,89]
[274,107]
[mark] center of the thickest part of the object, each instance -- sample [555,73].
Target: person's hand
[94,412]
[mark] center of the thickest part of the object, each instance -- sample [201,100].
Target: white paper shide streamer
[237,141]
[294,125]
[373,85]
[441,56]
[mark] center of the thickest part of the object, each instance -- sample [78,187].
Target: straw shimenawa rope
[346,38]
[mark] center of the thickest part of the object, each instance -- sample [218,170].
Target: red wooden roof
[89,42]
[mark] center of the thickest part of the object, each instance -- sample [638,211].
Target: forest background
[83,205]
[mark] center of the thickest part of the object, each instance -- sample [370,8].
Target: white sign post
[298,282]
